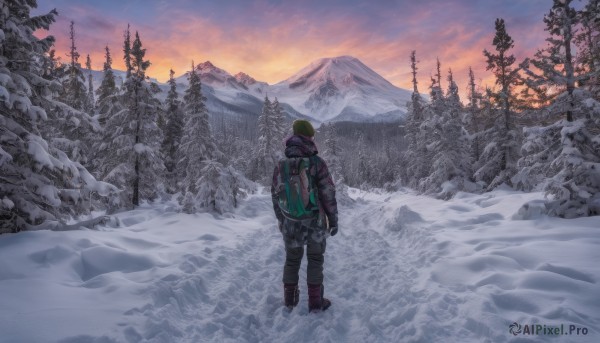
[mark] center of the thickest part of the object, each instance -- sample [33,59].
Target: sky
[272,39]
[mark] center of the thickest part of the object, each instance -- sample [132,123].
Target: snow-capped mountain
[329,89]
[226,94]
[341,88]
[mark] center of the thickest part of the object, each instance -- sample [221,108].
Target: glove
[333,231]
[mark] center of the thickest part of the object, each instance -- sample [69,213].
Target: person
[311,232]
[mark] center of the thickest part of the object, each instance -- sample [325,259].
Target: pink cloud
[273,51]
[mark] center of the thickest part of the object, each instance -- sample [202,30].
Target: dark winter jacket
[301,146]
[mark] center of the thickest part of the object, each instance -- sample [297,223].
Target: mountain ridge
[327,89]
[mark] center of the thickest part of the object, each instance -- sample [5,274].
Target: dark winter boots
[291,294]
[316,302]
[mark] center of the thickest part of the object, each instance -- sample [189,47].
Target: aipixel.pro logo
[547,330]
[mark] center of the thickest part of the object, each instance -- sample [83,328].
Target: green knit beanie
[303,127]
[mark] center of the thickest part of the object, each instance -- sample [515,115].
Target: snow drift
[403,268]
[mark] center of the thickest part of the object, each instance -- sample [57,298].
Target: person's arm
[326,189]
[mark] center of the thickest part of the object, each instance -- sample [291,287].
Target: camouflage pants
[299,233]
[295,236]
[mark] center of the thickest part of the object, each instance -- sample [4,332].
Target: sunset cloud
[271,40]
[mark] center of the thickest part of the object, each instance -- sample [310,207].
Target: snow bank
[403,268]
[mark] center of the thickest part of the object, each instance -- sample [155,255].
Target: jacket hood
[300,146]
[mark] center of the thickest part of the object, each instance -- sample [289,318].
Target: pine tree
[75,93]
[475,125]
[279,129]
[90,89]
[417,102]
[265,157]
[437,95]
[108,89]
[50,66]
[500,155]
[474,95]
[134,164]
[219,188]
[71,128]
[108,104]
[127,51]
[387,168]
[332,154]
[449,146]
[413,168]
[563,158]
[38,181]
[588,43]
[438,74]
[452,97]
[173,133]
[363,174]
[197,144]
[556,62]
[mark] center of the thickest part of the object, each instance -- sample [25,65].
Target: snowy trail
[404,268]
[372,280]
[238,295]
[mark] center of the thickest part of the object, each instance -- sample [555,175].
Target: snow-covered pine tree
[108,89]
[50,65]
[75,92]
[134,163]
[556,63]
[474,95]
[108,104]
[417,103]
[474,120]
[90,104]
[438,74]
[279,129]
[499,157]
[332,154]
[428,137]
[219,188]
[437,104]
[563,159]
[71,127]
[264,158]
[414,166]
[588,43]
[363,174]
[197,145]
[566,152]
[452,97]
[449,146]
[38,181]
[127,51]
[173,133]
[388,163]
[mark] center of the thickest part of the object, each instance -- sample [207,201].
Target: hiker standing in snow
[304,201]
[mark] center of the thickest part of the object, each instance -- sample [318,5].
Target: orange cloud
[275,51]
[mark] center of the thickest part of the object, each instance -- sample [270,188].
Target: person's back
[311,231]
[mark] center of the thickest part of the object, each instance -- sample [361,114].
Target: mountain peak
[206,66]
[344,58]
[342,70]
[341,87]
[244,78]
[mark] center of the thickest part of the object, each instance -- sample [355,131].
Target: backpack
[297,191]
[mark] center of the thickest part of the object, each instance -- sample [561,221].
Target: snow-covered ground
[404,268]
